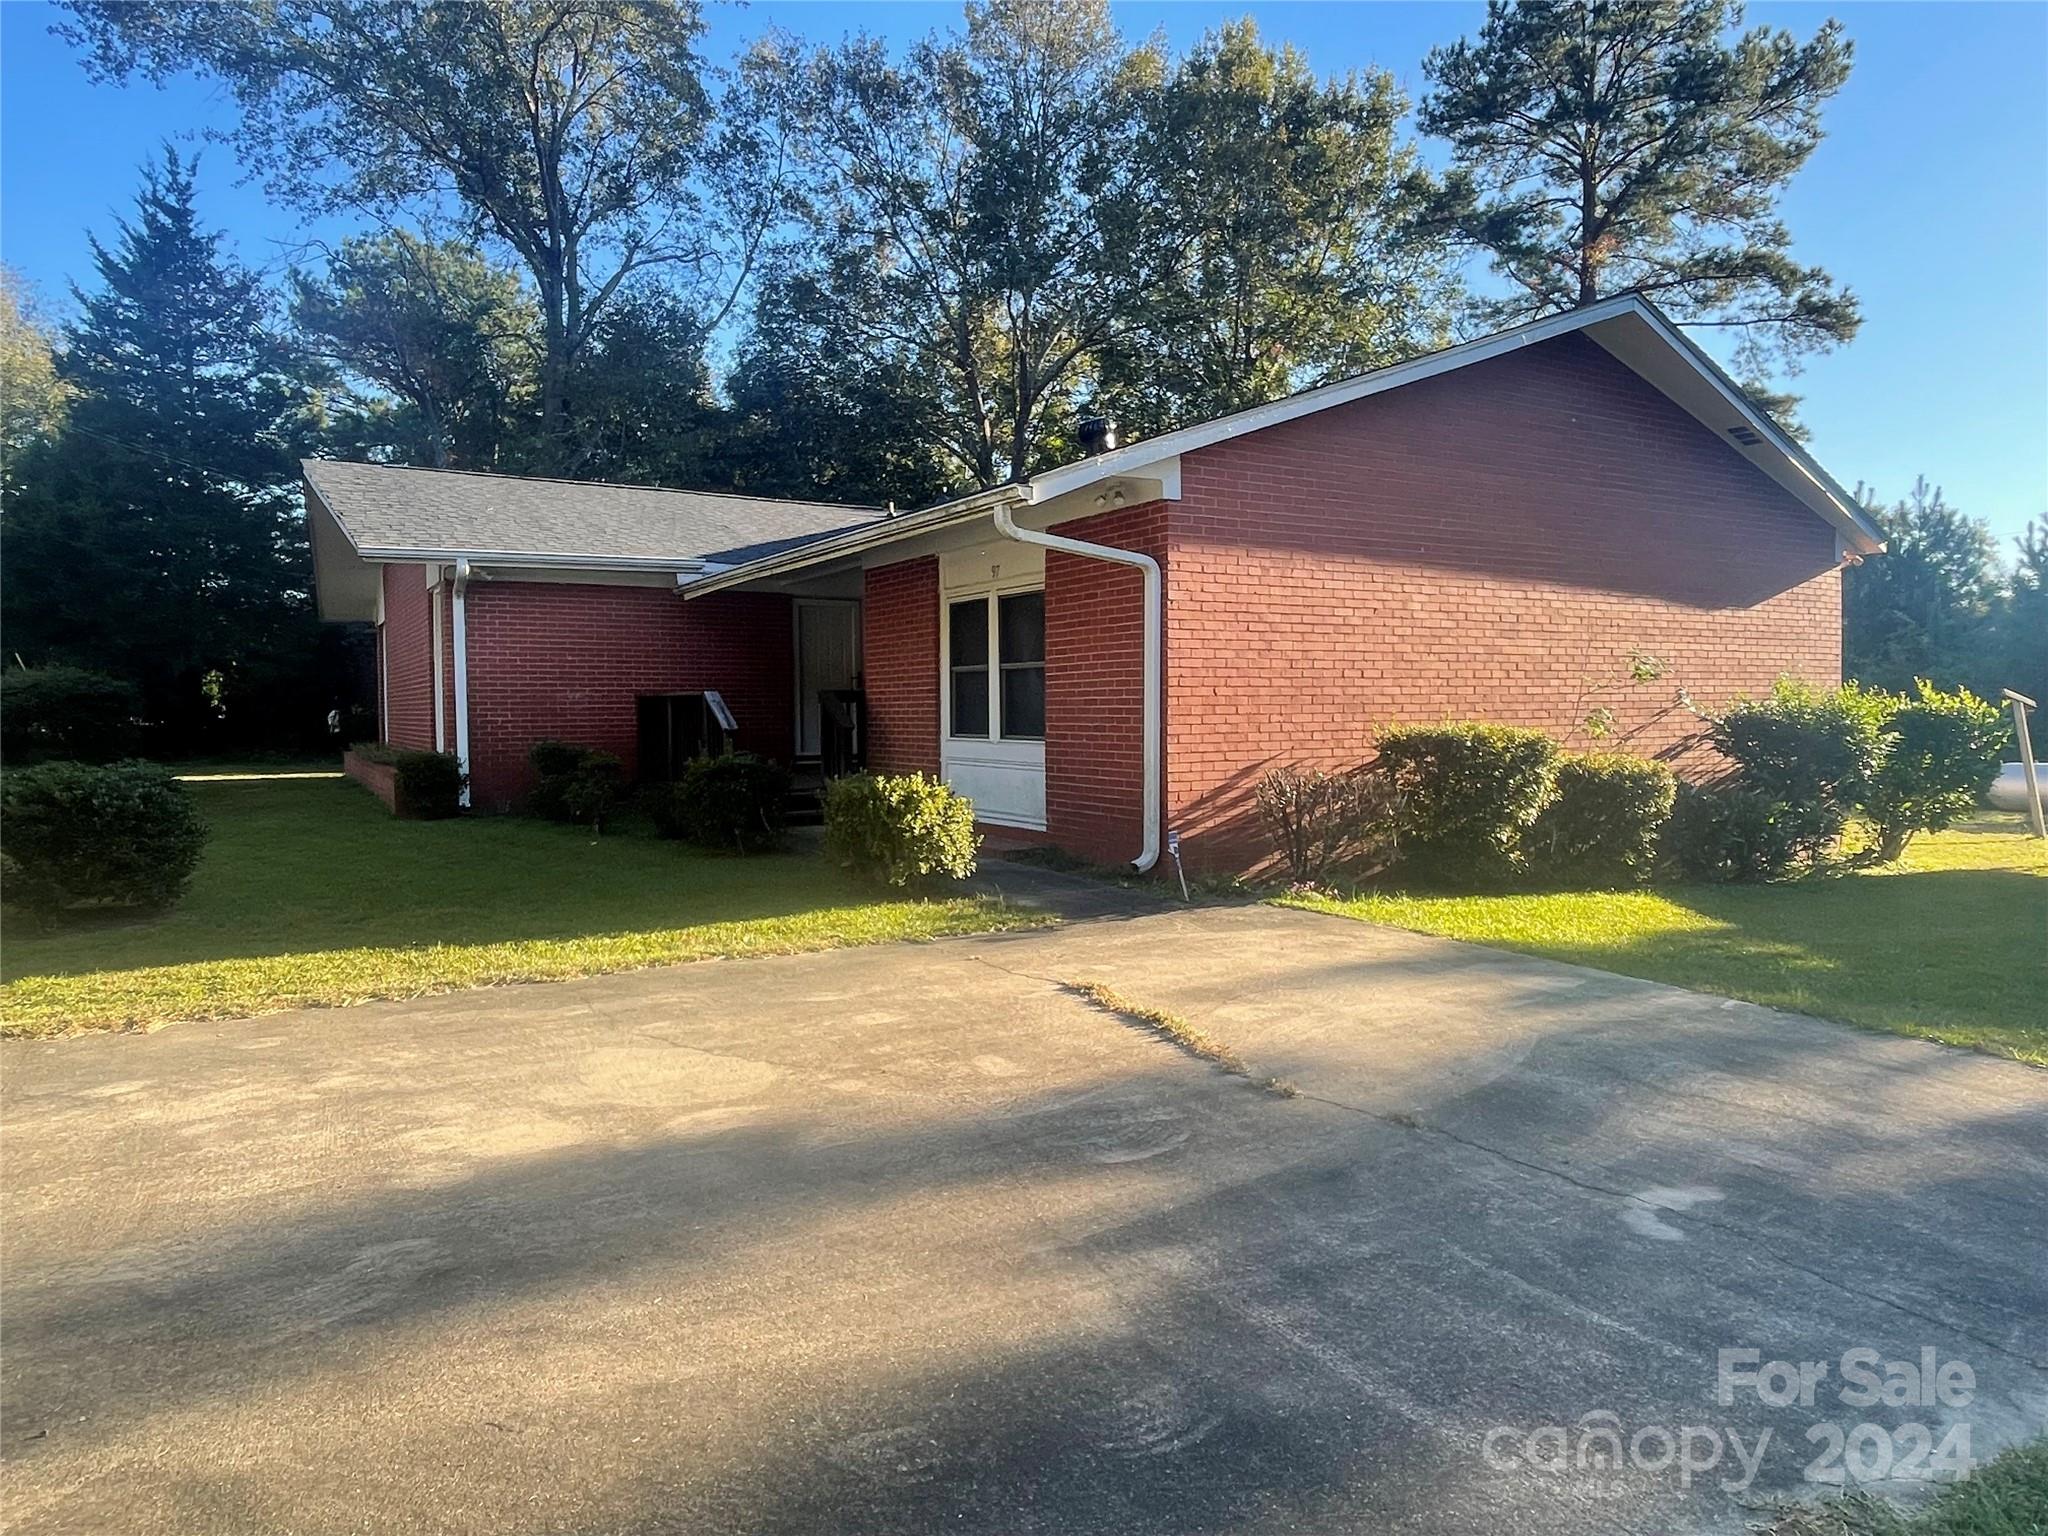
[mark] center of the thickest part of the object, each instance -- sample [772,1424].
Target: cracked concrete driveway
[914,1239]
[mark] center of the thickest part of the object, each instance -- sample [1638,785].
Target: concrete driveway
[913,1239]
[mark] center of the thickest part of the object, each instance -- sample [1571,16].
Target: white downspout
[462,674]
[1148,855]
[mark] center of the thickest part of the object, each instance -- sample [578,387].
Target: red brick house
[1118,649]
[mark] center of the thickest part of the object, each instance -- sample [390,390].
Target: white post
[2020,705]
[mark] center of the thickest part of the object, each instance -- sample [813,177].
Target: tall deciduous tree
[644,409]
[158,539]
[578,133]
[435,326]
[809,416]
[1604,145]
[1280,200]
[33,396]
[957,203]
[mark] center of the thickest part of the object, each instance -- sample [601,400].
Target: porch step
[804,806]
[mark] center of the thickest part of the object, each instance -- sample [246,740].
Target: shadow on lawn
[316,866]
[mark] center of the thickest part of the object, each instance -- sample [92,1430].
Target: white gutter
[887,530]
[1148,855]
[462,673]
[532,561]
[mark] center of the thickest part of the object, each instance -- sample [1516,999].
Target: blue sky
[1930,198]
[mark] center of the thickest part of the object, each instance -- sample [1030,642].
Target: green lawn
[310,895]
[2007,1496]
[1951,944]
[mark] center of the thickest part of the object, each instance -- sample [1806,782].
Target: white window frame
[1004,776]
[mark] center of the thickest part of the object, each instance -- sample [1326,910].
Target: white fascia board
[1160,458]
[1155,466]
[1132,461]
[1791,466]
[531,560]
[1795,468]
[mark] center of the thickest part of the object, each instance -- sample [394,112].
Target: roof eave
[534,559]
[858,541]
[1839,506]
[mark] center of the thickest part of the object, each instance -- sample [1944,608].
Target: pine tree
[1924,607]
[1606,145]
[2022,623]
[159,537]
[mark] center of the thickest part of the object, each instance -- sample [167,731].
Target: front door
[827,656]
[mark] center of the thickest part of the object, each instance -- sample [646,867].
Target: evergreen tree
[159,537]
[1925,607]
[2020,641]
[1606,145]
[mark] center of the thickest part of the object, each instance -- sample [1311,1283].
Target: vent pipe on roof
[1097,434]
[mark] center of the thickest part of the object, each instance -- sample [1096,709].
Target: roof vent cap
[1097,434]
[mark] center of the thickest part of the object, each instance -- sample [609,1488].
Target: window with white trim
[995,659]
[1020,652]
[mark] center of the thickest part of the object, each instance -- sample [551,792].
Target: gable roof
[1627,326]
[1630,328]
[388,512]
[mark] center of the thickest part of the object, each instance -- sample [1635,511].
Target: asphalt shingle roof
[387,507]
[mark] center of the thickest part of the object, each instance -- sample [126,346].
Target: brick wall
[900,658]
[567,660]
[408,657]
[1094,687]
[1485,545]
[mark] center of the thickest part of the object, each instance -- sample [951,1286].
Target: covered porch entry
[1015,659]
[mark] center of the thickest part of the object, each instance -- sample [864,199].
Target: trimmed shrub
[122,835]
[897,827]
[1324,823]
[428,785]
[1468,794]
[556,759]
[1941,752]
[734,801]
[593,791]
[65,712]
[1807,752]
[1603,820]
[1728,833]
[579,784]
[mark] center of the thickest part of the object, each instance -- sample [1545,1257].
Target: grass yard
[2007,1496]
[311,895]
[1951,944]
